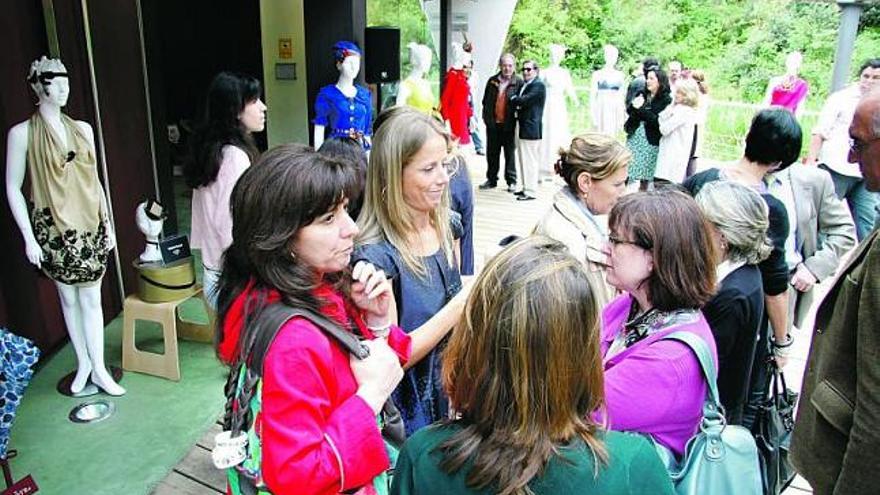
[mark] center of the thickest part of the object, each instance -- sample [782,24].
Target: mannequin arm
[594,92]
[402,93]
[16,162]
[318,136]
[570,91]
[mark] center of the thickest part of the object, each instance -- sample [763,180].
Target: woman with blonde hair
[524,372]
[678,131]
[594,168]
[738,217]
[409,232]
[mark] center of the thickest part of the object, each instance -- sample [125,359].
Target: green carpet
[155,424]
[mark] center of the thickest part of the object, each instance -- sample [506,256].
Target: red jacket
[317,436]
[454,105]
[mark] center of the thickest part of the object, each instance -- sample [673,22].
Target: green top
[633,468]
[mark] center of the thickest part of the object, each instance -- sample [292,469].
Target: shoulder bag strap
[273,318]
[704,355]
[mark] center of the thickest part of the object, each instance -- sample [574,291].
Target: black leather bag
[772,430]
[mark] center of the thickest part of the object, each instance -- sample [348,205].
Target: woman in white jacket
[677,124]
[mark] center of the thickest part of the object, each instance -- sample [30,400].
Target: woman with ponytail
[594,168]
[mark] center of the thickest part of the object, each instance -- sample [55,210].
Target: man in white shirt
[830,144]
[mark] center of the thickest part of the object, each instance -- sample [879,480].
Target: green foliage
[739,44]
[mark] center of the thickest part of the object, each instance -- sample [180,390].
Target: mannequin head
[348,59]
[48,80]
[460,58]
[557,53]
[420,57]
[793,63]
[611,55]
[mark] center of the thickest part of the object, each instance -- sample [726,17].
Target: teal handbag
[720,459]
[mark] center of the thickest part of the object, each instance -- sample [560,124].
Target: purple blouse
[655,386]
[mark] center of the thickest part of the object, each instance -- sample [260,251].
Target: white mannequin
[460,58]
[793,63]
[81,305]
[560,91]
[420,60]
[151,229]
[606,103]
[348,68]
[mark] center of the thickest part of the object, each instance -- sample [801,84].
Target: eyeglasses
[857,145]
[615,241]
[527,69]
[450,164]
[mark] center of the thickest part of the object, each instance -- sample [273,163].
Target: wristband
[787,343]
[782,352]
[380,330]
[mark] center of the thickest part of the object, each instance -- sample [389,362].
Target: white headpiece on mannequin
[43,70]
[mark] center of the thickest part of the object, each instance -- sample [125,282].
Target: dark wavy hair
[287,189]
[663,81]
[227,96]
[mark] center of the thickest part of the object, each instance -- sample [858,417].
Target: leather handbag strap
[274,316]
[704,355]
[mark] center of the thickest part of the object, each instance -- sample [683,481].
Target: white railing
[727,123]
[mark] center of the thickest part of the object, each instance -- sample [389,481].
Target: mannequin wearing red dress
[454,105]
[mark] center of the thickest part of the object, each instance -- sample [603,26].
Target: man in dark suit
[836,442]
[529,103]
[498,114]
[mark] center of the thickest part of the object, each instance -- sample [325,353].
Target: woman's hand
[638,101]
[376,375]
[371,292]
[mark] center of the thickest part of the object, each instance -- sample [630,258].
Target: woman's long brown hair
[523,368]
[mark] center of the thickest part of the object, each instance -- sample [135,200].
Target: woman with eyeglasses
[660,254]
[409,232]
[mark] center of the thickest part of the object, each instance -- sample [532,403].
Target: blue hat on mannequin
[344,49]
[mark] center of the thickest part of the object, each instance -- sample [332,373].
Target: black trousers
[496,140]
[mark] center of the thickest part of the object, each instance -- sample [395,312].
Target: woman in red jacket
[315,425]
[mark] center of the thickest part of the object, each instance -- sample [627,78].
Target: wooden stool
[165,314]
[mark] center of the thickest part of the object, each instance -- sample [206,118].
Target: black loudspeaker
[382,54]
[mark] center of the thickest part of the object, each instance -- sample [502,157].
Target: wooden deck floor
[496,215]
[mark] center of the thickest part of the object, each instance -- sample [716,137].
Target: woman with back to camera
[524,372]
[594,168]
[643,128]
[409,232]
[678,129]
[315,430]
[660,255]
[222,149]
[739,220]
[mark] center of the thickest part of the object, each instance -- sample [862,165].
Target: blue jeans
[478,143]
[862,203]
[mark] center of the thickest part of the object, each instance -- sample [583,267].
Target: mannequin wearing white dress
[607,94]
[80,302]
[560,90]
